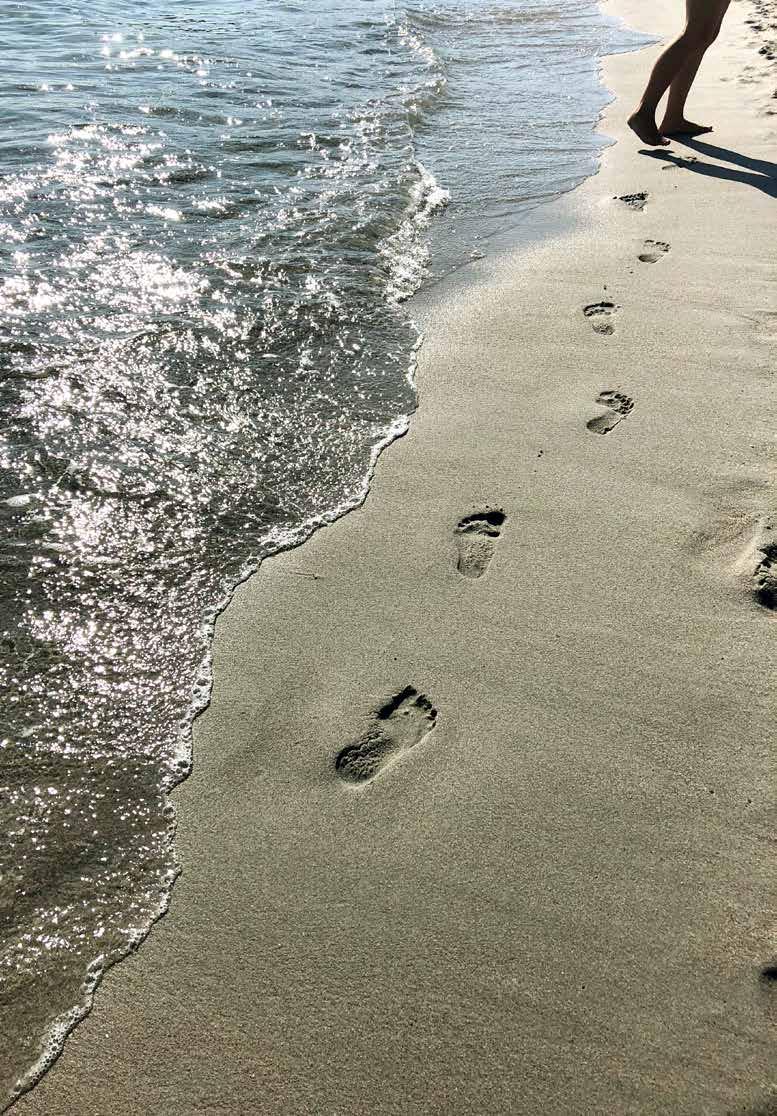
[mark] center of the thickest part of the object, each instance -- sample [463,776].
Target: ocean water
[213,217]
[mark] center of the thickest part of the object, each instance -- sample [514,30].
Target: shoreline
[561,897]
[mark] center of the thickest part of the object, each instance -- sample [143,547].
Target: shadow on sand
[758,173]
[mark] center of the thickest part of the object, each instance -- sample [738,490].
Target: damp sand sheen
[482,814]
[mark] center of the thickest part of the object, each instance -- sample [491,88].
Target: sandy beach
[483,815]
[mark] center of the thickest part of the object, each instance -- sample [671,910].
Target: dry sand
[559,891]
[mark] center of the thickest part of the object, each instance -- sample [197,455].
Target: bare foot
[643,123]
[683,127]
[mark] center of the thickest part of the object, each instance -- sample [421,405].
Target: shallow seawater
[211,218]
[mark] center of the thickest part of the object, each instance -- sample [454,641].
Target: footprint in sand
[600,315]
[476,537]
[765,577]
[653,250]
[744,542]
[767,978]
[397,727]
[634,201]
[618,406]
[768,975]
[767,325]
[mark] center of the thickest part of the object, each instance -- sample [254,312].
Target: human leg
[679,62]
[675,121]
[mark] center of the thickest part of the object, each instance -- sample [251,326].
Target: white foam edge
[405,251]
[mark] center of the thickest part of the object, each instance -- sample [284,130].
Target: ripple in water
[203,256]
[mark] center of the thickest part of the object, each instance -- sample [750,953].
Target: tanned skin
[674,71]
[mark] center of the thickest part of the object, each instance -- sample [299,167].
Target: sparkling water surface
[211,217]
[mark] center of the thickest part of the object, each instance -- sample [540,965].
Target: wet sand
[483,813]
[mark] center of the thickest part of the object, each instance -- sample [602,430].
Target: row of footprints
[409,717]
[601,315]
